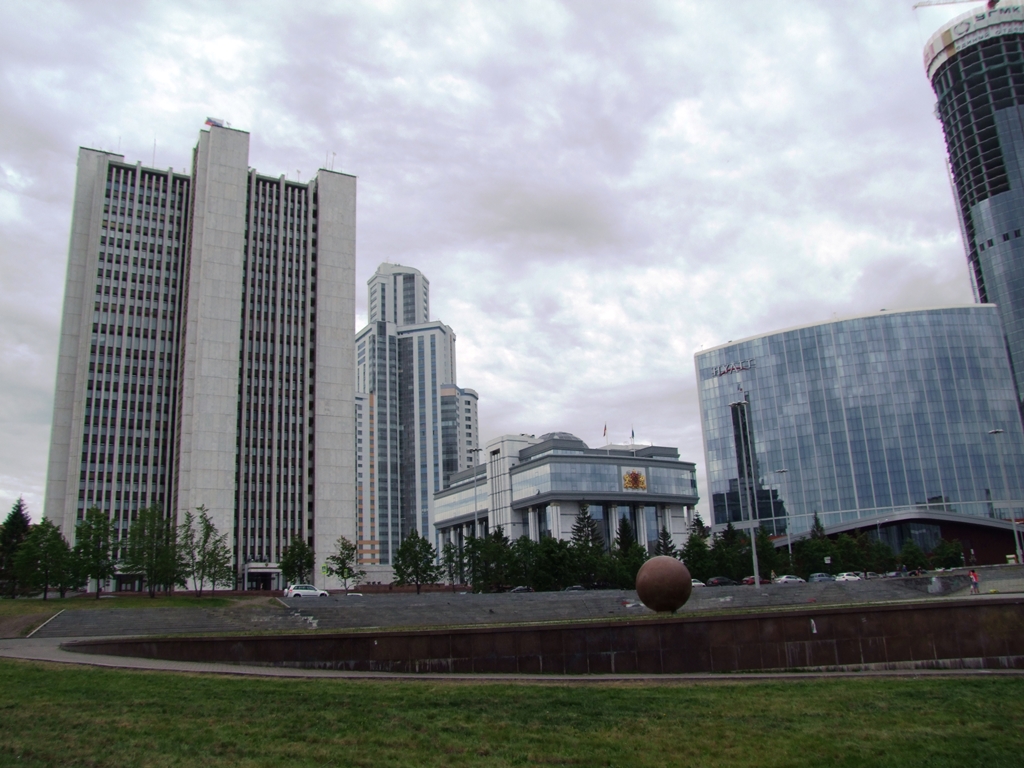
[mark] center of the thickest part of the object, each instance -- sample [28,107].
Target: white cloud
[594,190]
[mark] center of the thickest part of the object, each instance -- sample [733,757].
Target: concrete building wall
[73,354]
[209,392]
[211,363]
[334,483]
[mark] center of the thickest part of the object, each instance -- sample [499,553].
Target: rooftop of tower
[969,29]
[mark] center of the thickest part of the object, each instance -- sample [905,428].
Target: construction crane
[925,3]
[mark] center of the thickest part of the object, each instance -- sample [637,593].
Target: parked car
[720,581]
[821,577]
[304,590]
[848,576]
[750,580]
[575,588]
[697,582]
[872,575]
[521,589]
[789,579]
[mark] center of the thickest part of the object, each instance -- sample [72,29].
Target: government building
[207,352]
[899,424]
[535,487]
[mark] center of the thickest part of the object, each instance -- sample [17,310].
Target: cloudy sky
[595,190]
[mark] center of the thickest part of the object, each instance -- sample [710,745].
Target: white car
[697,582]
[848,576]
[304,590]
[789,579]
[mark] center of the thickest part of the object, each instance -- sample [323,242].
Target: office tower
[976,66]
[210,361]
[408,439]
[895,424]
[399,295]
[458,430]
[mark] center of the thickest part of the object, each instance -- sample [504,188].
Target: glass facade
[976,67]
[862,418]
[588,477]
[537,487]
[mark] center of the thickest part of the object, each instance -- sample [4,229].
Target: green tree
[769,560]
[93,548]
[629,555]
[44,559]
[12,535]
[452,563]
[586,548]
[72,575]
[343,563]
[585,531]
[492,562]
[850,553]
[730,553]
[416,562]
[522,562]
[554,566]
[297,562]
[665,546]
[698,525]
[471,554]
[913,556]
[810,556]
[204,551]
[696,555]
[878,556]
[152,550]
[948,554]
[817,529]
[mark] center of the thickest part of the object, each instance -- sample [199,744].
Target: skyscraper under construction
[976,66]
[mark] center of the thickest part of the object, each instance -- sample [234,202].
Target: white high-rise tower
[206,351]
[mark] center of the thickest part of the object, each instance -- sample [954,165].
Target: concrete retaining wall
[978,633]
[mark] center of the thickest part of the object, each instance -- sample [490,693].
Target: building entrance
[259,581]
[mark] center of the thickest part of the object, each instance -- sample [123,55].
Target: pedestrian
[974,582]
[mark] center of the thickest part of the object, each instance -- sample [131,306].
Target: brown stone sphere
[664,584]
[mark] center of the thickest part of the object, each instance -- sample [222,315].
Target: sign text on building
[742,365]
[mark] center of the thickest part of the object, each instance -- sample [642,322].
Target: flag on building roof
[606,429]
[215,122]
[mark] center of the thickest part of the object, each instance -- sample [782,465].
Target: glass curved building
[888,422]
[976,67]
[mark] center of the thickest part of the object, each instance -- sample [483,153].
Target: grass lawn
[54,715]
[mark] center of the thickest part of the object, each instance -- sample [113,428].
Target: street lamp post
[751,490]
[1006,488]
[476,482]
